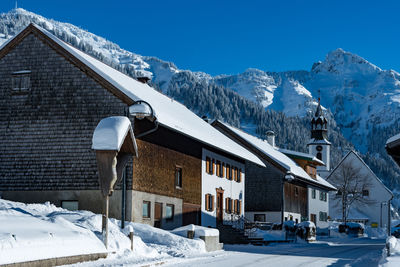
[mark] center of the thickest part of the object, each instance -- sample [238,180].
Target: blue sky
[230,36]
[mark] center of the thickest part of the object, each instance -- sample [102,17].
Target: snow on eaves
[279,157]
[302,155]
[170,113]
[110,133]
[393,139]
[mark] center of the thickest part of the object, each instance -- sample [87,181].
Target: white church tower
[319,145]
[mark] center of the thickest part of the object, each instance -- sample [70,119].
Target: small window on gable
[313,193]
[319,155]
[21,82]
[296,191]
[178,177]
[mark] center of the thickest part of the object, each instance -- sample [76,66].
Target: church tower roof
[319,126]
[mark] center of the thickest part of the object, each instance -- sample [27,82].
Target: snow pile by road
[39,231]
[394,259]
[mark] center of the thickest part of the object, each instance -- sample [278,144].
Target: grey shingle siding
[263,188]
[46,134]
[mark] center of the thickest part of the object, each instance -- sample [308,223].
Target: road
[350,252]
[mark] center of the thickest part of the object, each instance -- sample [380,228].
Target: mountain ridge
[254,99]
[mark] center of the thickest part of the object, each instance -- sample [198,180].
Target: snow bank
[270,235]
[394,260]
[198,231]
[40,231]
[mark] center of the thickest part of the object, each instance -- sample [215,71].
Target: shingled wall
[46,134]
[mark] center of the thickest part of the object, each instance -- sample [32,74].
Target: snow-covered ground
[39,231]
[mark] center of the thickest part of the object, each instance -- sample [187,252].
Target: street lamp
[139,110]
[287,178]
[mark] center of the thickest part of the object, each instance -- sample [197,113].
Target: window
[169,212]
[365,193]
[323,216]
[208,165]
[237,206]
[319,155]
[296,191]
[228,205]
[323,196]
[219,171]
[228,172]
[70,204]
[21,82]
[259,218]
[178,177]
[146,209]
[209,202]
[313,193]
[239,176]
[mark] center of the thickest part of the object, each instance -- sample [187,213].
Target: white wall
[210,183]
[378,194]
[315,206]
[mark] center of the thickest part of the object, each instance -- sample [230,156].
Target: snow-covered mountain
[359,95]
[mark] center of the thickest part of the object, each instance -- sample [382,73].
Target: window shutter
[212,203]
[240,176]
[207,164]
[218,168]
[240,207]
[207,202]
[223,170]
[213,166]
[227,205]
[235,206]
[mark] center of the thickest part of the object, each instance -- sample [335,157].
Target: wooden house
[52,97]
[278,191]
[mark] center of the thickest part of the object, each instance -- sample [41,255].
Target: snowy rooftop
[170,113]
[280,158]
[301,155]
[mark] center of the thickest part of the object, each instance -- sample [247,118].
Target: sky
[227,37]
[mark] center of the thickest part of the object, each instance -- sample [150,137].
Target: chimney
[143,79]
[271,138]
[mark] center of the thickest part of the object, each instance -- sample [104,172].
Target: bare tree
[353,187]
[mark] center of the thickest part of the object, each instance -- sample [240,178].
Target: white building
[222,189]
[374,207]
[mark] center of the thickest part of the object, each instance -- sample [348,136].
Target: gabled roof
[301,155]
[273,154]
[352,152]
[170,113]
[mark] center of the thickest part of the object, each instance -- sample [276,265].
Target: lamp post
[383,203]
[139,110]
[287,178]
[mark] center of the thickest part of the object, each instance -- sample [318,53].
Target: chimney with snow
[271,138]
[143,79]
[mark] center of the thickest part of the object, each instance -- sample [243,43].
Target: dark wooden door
[157,214]
[220,197]
[314,218]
